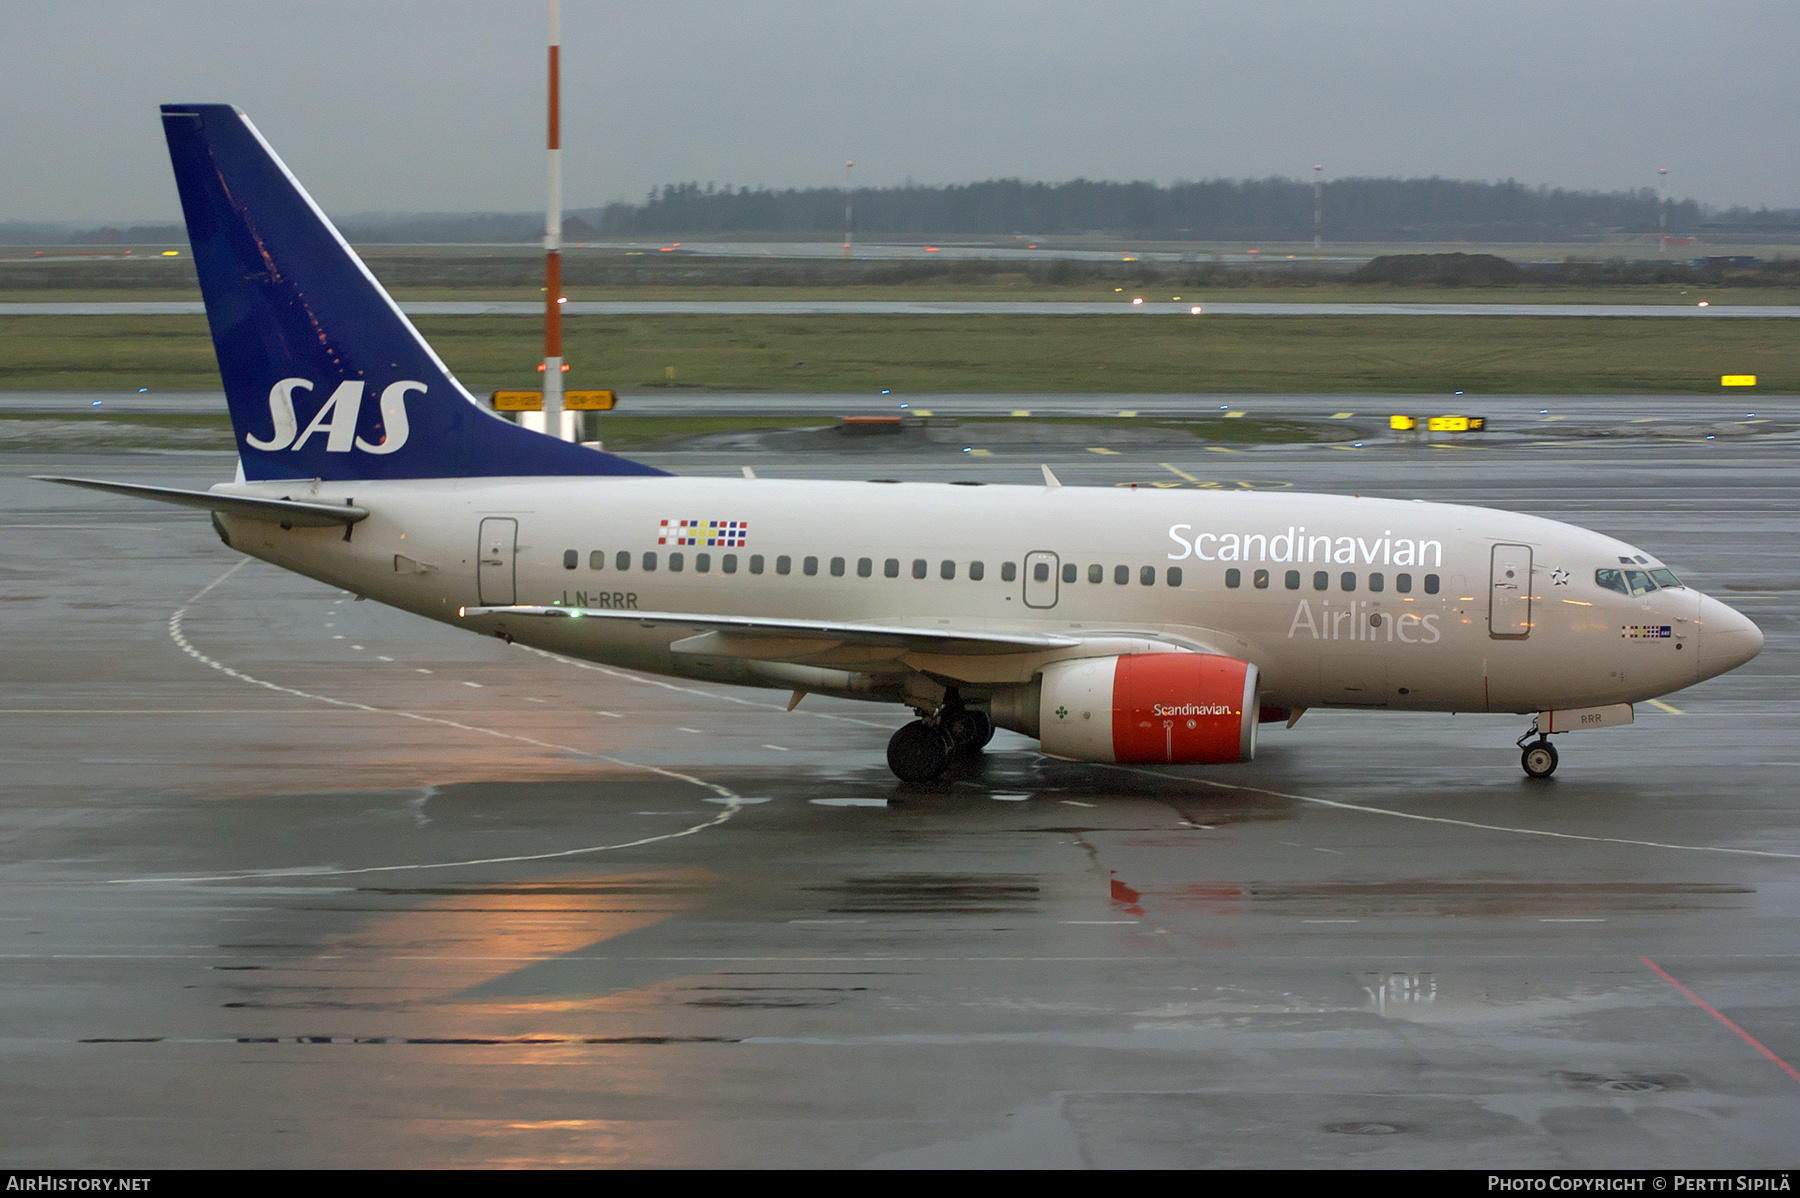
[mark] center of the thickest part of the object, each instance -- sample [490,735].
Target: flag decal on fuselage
[722,534]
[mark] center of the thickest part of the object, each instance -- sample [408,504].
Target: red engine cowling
[1182,708]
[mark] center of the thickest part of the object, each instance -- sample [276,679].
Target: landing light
[1195,310]
[1705,304]
[1137,299]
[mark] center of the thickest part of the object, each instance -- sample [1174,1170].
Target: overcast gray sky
[405,105]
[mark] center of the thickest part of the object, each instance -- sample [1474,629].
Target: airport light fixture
[847,239]
[1318,208]
[1662,210]
[555,421]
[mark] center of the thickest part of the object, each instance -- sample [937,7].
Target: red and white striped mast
[555,423]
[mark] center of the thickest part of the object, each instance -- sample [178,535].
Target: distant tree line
[1275,209]
[1213,210]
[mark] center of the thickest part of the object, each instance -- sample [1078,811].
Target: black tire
[969,731]
[1539,759]
[918,753]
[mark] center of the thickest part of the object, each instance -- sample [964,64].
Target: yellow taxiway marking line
[1441,445]
[1668,707]
[1548,419]
[1232,415]
[1342,415]
[922,411]
[1022,412]
[1351,448]
[1178,473]
[1221,449]
[1128,411]
[981,453]
[1097,449]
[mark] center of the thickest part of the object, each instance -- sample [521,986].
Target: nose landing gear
[1539,757]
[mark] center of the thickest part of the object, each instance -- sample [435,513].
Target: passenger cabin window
[1292,582]
[1070,571]
[1096,573]
[946,570]
[571,559]
[1403,583]
[1260,580]
[784,564]
[1377,582]
[702,562]
[728,563]
[809,566]
[1174,575]
[865,566]
[920,566]
[977,571]
[1232,578]
[891,568]
[1009,571]
[1431,584]
[1040,571]
[649,561]
[597,560]
[837,567]
[756,563]
[623,560]
[1121,575]
[1347,581]
[675,563]
[1147,576]
[1321,580]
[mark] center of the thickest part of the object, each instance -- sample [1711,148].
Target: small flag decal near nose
[1641,632]
[723,534]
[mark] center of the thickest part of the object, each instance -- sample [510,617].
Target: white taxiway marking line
[733,801]
[1462,823]
[1571,921]
[778,748]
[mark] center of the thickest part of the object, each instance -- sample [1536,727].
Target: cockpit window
[1634,582]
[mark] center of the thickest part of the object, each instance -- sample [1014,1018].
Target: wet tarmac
[295,880]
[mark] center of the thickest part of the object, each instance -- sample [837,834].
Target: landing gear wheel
[1539,759]
[918,752]
[969,731]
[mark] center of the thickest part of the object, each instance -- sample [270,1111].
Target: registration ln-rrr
[1111,625]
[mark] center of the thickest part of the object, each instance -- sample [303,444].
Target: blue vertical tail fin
[324,375]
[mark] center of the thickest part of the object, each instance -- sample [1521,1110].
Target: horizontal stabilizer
[294,513]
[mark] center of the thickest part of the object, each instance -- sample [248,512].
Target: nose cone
[1727,638]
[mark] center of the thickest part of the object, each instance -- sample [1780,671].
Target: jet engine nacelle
[1179,708]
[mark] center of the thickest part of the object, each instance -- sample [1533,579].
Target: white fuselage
[1339,601]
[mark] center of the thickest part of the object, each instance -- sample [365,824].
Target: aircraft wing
[773,639]
[294,513]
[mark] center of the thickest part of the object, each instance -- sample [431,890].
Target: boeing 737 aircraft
[1111,625]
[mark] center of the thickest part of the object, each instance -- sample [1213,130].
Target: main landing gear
[1539,757]
[924,749]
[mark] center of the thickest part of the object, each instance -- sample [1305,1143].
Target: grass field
[991,353]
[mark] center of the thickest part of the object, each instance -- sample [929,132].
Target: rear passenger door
[494,572]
